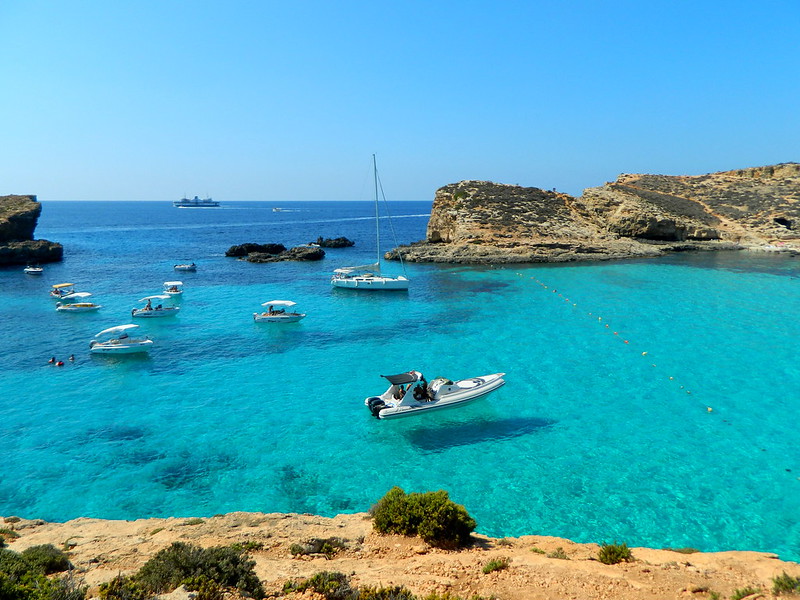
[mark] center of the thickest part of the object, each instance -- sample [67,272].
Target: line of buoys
[608,326]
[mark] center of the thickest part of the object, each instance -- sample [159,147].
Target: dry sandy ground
[101,549]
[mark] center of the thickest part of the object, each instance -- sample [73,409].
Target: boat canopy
[80,295]
[286,303]
[171,283]
[156,297]
[58,286]
[117,329]
[402,378]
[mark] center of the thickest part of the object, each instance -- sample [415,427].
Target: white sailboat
[369,277]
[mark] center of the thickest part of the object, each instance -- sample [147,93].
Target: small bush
[2,542]
[248,546]
[558,553]
[785,584]
[193,521]
[332,585]
[390,593]
[496,564]
[611,554]
[12,519]
[683,550]
[47,558]
[432,515]
[123,588]
[744,592]
[326,546]
[8,534]
[538,550]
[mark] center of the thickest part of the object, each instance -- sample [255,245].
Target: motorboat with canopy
[148,311]
[410,394]
[173,288]
[186,267]
[122,339]
[33,270]
[76,307]
[278,311]
[66,291]
[369,277]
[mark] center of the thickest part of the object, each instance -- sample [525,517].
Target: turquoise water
[597,435]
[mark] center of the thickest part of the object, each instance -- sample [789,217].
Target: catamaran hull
[372,283]
[451,400]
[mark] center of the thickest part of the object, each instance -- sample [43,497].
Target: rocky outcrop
[339,242]
[242,250]
[636,215]
[297,253]
[18,218]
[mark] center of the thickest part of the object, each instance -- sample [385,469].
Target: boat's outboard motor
[375,405]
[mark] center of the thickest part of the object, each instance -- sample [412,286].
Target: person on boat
[269,310]
[148,306]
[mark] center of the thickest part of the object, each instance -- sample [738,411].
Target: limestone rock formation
[297,253]
[241,250]
[636,215]
[18,218]
[339,242]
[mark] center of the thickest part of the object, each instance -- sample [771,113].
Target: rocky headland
[538,567]
[481,222]
[18,218]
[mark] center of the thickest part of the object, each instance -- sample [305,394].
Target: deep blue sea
[601,433]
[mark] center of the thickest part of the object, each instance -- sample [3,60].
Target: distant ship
[195,203]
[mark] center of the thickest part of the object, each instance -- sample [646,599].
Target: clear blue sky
[263,100]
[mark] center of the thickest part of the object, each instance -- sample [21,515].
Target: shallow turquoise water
[592,438]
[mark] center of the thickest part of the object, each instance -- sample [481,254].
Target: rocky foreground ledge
[18,218]
[101,549]
[481,222]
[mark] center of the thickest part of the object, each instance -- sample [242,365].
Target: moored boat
[410,394]
[66,291]
[33,270]
[173,288]
[78,307]
[148,311]
[278,311]
[118,340]
[195,203]
[186,267]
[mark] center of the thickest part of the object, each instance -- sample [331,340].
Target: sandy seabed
[101,549]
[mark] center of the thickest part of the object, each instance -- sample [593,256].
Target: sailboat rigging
[369,277]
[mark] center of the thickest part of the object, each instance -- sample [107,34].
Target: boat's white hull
[459,397]
[285,318]
[79,308]
[154,313]
[180,293]
[33,271]
[371,283]
[184,268]
[134,347]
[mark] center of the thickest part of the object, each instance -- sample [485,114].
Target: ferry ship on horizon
[195,203]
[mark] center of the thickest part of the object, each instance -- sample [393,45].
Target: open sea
[602,432]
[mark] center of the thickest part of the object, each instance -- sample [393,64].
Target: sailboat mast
[377,216]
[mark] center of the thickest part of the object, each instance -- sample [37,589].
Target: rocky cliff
[636,215]
[18,218]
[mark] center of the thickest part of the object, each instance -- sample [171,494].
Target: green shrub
[123,588]
[13,564]
[2,542]
[432,515]
[611,554]
[785,584]
[558,553]
[326,546]
[46,558]
[744,592]
[193,521]
[390,593]
[332,585]
[8,534]
[683,550]
[248,546]
[206,588]
[226,566]
[39,587]
[496,564]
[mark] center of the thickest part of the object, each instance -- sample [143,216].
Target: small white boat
[173,288]
[186,267]
[118,340]
[278,311]
[409,394]
[78,307]
[66,291]
[32,270]
[149,311]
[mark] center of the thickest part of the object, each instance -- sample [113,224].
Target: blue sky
[263,100]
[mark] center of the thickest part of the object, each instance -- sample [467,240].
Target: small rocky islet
[18,218]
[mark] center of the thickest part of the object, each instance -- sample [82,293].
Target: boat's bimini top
[286,303]
[114,330]
[403,378]
[173,283]
[58,286]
